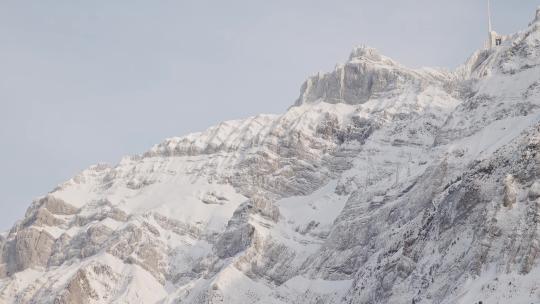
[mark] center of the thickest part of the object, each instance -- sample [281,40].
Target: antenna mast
[489,15]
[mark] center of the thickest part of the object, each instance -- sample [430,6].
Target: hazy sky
[83,82]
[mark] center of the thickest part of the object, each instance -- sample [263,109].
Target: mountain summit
[381,184]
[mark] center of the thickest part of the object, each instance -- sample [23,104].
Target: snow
[302,285]
[235,287]
[180,198]
[175,195]
[112,224]
[321,207]
[141,288]
[419,125]
[496,287]
[534,191]
[495,135]
[54,231]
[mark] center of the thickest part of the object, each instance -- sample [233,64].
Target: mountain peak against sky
[367,75]
[369,53]
[383,184]
[379,75]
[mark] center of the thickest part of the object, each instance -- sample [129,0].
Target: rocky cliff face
[382,184]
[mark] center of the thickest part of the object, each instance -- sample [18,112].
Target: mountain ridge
[381,184]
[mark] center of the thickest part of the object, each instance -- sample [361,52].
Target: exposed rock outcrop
[382,184]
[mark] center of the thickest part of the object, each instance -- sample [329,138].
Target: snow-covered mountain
[382,184]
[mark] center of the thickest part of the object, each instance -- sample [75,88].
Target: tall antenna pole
[489,15]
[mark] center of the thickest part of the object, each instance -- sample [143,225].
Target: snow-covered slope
[382,184]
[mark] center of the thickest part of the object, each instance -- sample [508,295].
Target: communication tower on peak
[494,39]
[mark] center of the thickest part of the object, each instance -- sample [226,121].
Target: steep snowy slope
[382,184]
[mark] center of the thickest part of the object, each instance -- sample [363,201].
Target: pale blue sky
[83,82]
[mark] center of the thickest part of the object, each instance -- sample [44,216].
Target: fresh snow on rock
[381,184]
